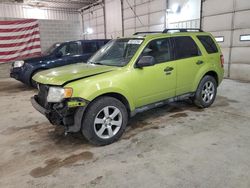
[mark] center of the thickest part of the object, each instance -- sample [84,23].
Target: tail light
[222,61]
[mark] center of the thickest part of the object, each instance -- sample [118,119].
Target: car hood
[69,73]
[38,59]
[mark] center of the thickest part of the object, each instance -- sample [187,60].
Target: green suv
[127,76]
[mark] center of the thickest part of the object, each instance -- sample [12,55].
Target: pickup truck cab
[59,54]
[128,76]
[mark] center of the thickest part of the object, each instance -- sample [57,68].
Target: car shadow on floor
[140,122]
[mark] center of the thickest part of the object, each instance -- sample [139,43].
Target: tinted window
[159,49]
[73,48]
[89,47]
[69,49]
[185,47]
[208,43]
[63,49]
[102,42]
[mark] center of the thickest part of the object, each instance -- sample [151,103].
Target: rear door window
[160,49]
[185,47]
[89,47]
[208,44]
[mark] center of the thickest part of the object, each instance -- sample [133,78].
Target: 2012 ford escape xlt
[127,76]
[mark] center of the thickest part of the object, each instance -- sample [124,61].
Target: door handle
[199,62]
[168,70]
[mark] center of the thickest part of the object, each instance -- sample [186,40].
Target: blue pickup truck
[59,54]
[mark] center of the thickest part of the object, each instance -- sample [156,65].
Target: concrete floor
[172,146]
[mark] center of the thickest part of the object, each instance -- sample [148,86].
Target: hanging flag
[19,39]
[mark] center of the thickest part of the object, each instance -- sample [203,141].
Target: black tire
[203,98]
[96,108]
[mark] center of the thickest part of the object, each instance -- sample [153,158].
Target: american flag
[19,39]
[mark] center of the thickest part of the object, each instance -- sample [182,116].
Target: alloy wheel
[208,92]
[108,122]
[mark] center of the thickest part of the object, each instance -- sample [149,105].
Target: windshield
[117,52]
[52,48]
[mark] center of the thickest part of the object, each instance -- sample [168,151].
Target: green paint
[140,86]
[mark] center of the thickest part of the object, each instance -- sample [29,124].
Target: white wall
[230,21]
[140,15]
[144,15]
[20,11]
[187,16]
[54,25]
[113,18]
[93,18]
[52,31]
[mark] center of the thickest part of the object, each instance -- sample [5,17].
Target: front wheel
[206,92]
[104,121]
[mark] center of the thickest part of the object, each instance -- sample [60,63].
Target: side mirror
[59,54]
[146,61]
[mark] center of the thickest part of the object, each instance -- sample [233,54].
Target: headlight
[18,64]
[57,94]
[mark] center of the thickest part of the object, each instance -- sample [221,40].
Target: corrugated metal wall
[20,11]
[228,21]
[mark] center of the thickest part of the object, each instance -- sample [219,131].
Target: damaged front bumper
[68,113]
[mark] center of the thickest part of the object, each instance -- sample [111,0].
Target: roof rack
[182,30]
[147,32]
[169,30]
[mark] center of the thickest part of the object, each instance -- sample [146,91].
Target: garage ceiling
[58,4]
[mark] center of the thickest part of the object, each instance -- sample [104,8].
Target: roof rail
[182,30]
[146,32]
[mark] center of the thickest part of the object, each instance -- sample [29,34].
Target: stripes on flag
[19,39]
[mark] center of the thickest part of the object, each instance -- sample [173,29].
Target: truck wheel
[104,121]
[206,92]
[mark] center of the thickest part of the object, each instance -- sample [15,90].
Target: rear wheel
[206,92]
[104,121]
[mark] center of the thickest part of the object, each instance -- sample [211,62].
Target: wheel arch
[119,97]
[212,73]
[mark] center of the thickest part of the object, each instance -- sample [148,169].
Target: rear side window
[208,44]
[160,49]
[89,47]
[185,47]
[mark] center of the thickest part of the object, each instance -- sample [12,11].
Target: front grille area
[42,95]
